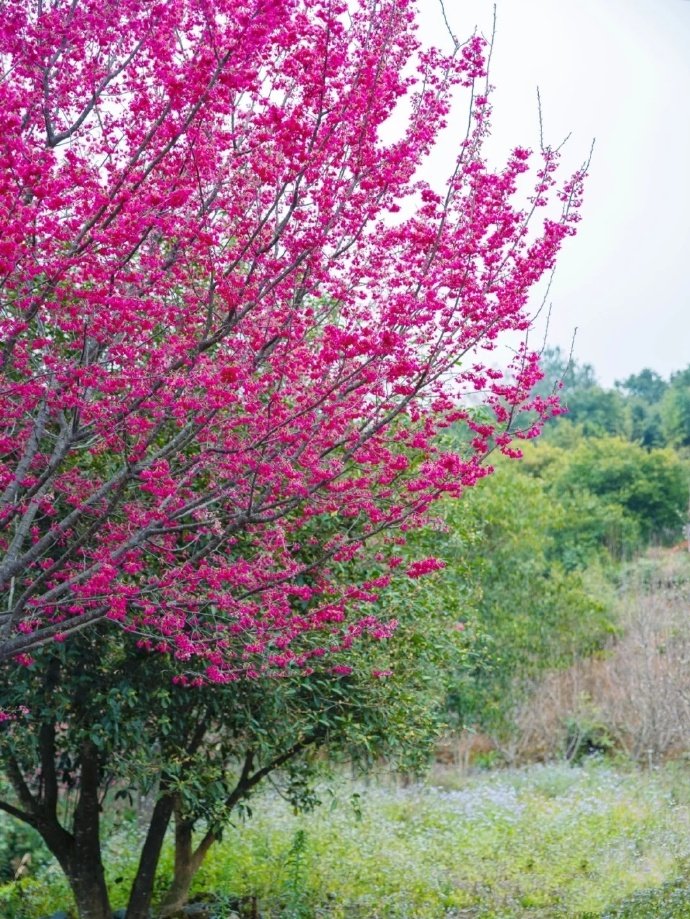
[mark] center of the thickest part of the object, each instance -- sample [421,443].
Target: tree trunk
[81,864]
[87,880]
[177,895]
[187,862]
[142,888]
[78,852]
[84,865]
[83,869]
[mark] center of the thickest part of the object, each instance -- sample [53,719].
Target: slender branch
[19,814]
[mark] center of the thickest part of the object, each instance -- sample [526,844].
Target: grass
[592,841]
[546,841]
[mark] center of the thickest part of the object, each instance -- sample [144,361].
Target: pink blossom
[425,566]
[226,369]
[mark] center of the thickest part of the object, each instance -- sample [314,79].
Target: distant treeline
[644,408]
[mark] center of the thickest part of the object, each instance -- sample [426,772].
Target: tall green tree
[675,409]
[643,393]
[524,609]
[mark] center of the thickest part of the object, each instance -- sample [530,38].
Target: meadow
[594,840]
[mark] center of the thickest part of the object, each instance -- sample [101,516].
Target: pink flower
[425,566]
[257,363]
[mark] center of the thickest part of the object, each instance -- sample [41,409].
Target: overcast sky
[617,71]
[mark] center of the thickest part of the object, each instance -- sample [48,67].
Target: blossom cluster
[234,320]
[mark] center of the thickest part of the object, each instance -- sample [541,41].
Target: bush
[21,850]
[635,697]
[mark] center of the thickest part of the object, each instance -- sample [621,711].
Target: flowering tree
[234,317]
[197,754]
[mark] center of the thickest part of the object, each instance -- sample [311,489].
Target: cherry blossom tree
[235,317]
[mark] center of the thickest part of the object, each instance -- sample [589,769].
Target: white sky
[617,71]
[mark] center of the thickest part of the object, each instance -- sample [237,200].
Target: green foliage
[675,409]
[522,608]
[587,735]
[528,598]
[646,385]
[19,845]
[598,412]
[649,485]
[644,408]
[644,392]
[611,494]
[670,901]
[35,897]
[296,906]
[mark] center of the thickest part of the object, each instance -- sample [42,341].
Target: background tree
[646,385]
[523,609]
[675,409]
[644,392]
[633,409]
[563,369]
[233,317]
[614,495]
[591,408]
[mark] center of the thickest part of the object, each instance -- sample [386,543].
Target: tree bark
[85,867]
[81,865]
[79,852]
[142,888]
[80,859]
[187,862]
[87,880]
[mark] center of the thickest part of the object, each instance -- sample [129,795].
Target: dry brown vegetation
[633,697]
